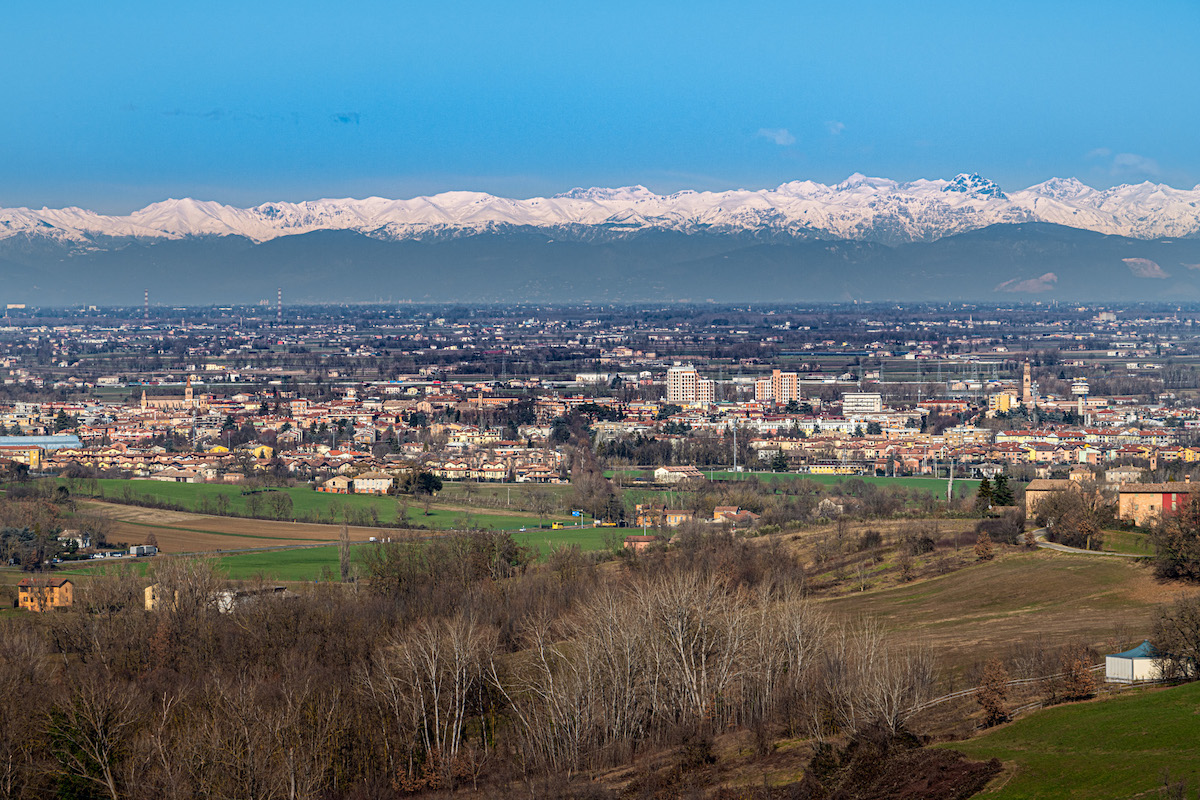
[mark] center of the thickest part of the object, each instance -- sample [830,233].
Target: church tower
[187,392]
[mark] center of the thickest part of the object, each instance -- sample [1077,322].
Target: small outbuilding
[1139,664]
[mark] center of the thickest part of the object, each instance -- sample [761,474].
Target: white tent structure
[1139,664]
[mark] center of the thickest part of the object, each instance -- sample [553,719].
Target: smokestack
[146,304]
[279,305]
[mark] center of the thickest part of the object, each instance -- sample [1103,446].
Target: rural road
[1039,536]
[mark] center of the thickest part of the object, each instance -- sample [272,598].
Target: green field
[310,563]
[314,506]
[586,538]
[1115,748]
[980,611]
[296,564]
[1127,542]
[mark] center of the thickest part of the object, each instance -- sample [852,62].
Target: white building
[686,387]
[373,483]
[1138,664]
[682,383]
[859,403]
[762,390]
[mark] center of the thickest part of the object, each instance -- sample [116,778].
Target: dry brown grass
[186,532]
[987,609]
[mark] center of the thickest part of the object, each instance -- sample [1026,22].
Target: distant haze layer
[862,239]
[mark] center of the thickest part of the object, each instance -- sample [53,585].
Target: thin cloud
[780,136]
[212,115]
[834,127]
[1124,165]
[1132,163]
[346,118]
[216,114]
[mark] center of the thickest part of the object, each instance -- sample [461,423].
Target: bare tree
[344,563]
[92,731]
[697,631]
[429,675]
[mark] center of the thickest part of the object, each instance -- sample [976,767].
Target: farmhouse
[1039,490]
[43,594]
[372,483]
[338,484]
[1144,503]
[676,474]
[639,543]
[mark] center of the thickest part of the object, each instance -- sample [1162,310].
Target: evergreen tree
[1002,493]
[779,463]
[983,498]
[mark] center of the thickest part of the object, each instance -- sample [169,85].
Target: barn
[1138,664]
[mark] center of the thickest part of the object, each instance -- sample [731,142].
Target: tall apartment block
[686,387]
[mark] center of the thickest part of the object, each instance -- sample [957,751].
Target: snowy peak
[599,194]
[858,208]
[975,185]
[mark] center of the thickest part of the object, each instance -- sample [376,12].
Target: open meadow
[1116,747]
[454,509]
[286,551]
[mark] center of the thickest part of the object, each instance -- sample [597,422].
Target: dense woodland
[453,664]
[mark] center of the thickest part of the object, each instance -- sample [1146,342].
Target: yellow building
[834,469]
[42,594]
[1001,403]
[30,455]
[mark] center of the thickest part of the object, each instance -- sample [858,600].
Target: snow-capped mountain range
[857,209]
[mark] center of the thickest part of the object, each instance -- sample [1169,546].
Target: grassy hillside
[1114,748]
[985,609]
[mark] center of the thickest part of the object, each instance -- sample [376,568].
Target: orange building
[41,594]
[1146,503]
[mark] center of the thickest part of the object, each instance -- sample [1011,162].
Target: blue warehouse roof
[44,442]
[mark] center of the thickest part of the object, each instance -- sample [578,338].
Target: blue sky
[115,105]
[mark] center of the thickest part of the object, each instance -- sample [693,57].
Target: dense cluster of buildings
[458,431]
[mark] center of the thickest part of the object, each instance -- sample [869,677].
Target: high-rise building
[785,387]
[682,384]
[762,390]
[686,387]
